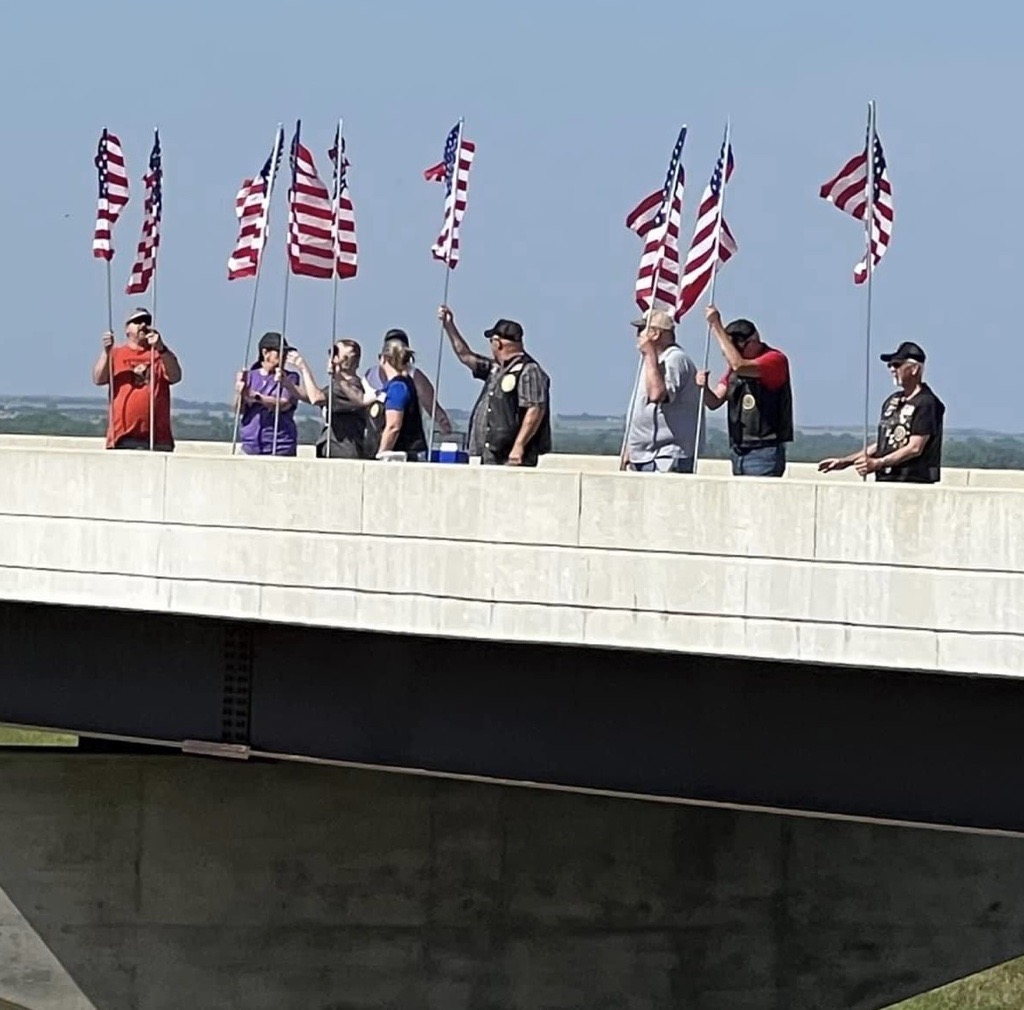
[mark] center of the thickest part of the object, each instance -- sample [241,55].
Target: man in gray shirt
[662,426]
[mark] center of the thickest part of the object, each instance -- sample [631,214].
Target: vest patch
[508,383]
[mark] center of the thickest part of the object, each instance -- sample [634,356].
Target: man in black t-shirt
[909,443]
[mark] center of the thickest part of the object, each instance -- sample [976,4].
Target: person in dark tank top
[397,417]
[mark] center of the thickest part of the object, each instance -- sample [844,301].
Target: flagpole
[280,360]
[338,166]
[437,369]
[284,309]
[444,297]
[152,348]
[656,278]
[711,292]
[278,139]
[869,226]
[152,373]
[110,350]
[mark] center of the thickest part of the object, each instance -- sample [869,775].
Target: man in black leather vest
[511,420]
[908,448]
[759,395]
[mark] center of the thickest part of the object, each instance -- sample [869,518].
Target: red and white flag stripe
[710,233]
[454,172]
[310,217]
[657,220]
[848,190]
[113,193]
[145,255]
[660,257]
[347,262]
[252,206]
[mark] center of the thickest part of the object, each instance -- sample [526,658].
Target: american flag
[453,171]
[344,213]
[310,216]
[149,243]
[848,190]
[113,195]
[252,207]
[701,262]
[657,220]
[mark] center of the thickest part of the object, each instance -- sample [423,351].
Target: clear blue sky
[574,116]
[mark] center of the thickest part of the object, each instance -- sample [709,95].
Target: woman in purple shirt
[261,389]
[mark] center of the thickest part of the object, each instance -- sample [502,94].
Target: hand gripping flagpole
[271,177]
[869,228]
[284,308]
[336,244]
[454,195]
[711,293]
[656,278]
[631,406]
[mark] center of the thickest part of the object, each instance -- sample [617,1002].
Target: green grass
[999,988]
[35,738]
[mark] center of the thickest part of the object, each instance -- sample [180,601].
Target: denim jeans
[663,465]
[767,462]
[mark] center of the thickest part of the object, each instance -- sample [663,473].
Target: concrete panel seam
[165,582]
[412,541]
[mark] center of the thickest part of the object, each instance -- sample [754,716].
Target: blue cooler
[449,451]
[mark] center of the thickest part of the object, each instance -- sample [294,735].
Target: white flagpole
[869,227]
[110,313]
[711,292]
[152,374]
[656,277]
[447,279]
[284,308]
[339,164]
[278,140]
[110,351]
[152,349]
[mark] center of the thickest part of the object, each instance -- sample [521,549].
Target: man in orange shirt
[143,360]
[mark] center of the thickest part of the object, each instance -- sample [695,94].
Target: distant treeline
[999,452]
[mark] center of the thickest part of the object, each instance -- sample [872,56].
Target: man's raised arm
[462,350]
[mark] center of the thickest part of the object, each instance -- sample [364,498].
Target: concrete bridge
[770,730]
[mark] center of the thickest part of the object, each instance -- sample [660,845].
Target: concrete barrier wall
[924,578]
[573,462]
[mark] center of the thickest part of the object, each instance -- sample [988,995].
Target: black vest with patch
[411,436]
[758,417]
[502,415]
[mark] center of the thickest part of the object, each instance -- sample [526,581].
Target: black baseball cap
[506,329]
[907,351]
[741,330]
[397,334]
[271,341]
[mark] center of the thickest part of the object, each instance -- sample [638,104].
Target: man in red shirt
[142,361]
[758,391]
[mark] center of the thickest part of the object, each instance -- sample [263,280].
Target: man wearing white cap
[661,429]
[143,367]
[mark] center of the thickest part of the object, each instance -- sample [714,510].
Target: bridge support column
[161,882]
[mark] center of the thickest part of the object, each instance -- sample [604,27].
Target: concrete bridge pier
[142,882]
